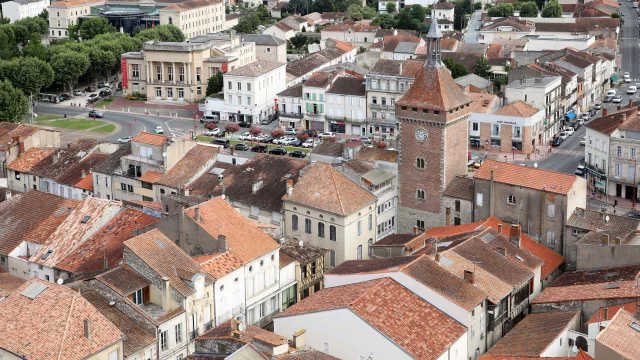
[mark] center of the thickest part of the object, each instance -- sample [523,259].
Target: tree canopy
[13,103]
[483,69]
[94,26]
[529,9]
[456,68]
[215,83]
[552,9]
[391,7]
[502,10]
[28,74]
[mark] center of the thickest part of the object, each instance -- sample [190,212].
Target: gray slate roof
[262,39]
[473,79]
[406,47]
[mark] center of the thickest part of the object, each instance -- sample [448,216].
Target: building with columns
[434,133]
[179,71]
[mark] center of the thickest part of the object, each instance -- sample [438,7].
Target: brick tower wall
[456,149]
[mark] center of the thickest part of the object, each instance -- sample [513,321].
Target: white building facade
[15,10]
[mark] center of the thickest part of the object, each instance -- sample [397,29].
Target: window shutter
[321,108]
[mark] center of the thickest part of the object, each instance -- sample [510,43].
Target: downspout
[491,194]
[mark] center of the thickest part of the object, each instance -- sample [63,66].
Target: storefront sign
[507,122]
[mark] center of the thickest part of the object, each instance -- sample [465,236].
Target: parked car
[159,130]
[478,28]
[608,98]
[260,148]
[296,142]
[298,154]
[212,132]
[64,97]
[278,151]
[244,124]
[277,139]
[77,93]
[310,133]
[586,115]
[563,135]
[90,88]
[326,134]
[569,130]
[592,113]
[287,141]
[105,92]
[611,93]
[580,170]
[557,141]
[631,90]
[290,131]
[309,143]
[222,133]
[100,85]
[245,136]
[125,139]
[210,118]
[93,97]
[96,114]
[241,147]
[617,99]
[583,141]
[222,142]
[265,138]
[580,122]
[598,106]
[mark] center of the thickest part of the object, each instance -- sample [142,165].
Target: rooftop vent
[46,255]
[160,244]
[635,326]
[33,290]
[614,285]
[85,219]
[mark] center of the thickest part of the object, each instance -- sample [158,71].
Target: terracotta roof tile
[165,258]
[533,178]
[319,80]
[449,44]
[517,109]
[443,5]
[434,88]
[219,264]
[56,165]
[192,162]
[608,124]
[620,337]
[460,188]
[9,283]
[608,312]
[71,3]
[189,5]
[302,254]
[245,240]
[306,354]
[112,162]
[516,23]
[373,154]
[371,266]
[30,159]
[326,189]
[170,315]
[135,338]
[617,226]
[150,139]
[413,324]
[406,68]
[73,174]
[150,176]
[285,259]
[86,183]
[250,332]
[123,280]
[18,221]
[348,86]
[256,68]
[355,28]
[106,244]
[61,336]
[393,240]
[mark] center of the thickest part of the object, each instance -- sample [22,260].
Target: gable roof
[617,226]
[443,5]
[30,159]
[327,189]
[302,254]
[406,68]
[74,174]
[86,183]
[460,188]
[61,336]
[610,123]
[112,161]
[581,24]
[150,139]
[219,264]
[104,248]
[9,283]
[375,154]
[265,39]
[434,88]
[512,21]
[166,258]
[620,337]
[10,131]
[189,5]
[56,165]
[473,79]
[394,240]
[256,68]
[19,222]
[517,109]
[245,240]
[348,86]
[607,313]
[292,91]
[533,178]
[123,280]
[190,164]
[225,330]
[534,334]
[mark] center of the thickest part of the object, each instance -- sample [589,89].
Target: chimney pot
[415,230]
[437,257]
[197,214]
[7,195]
[87,328]
[516,235]
[630,103]
[468,277]
[223,245]
[68,145]
[21,145]
[605,112]
[289,187]
[70,210]
[166,294]
[83,174]
[299,339]
[500,228]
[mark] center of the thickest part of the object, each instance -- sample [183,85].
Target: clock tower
[434,138]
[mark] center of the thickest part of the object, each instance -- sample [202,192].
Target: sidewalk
[509,157]
[601,201]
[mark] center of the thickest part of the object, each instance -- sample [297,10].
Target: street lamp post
[635,184]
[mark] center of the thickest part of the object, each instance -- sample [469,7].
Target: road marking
[568,152]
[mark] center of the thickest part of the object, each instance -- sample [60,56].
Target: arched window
[332,258]
[170,20]
[420,194]
[320,229]
[369,250]
[332,233]
[370,222]
[307,226]
[420,163]
[511,199]
[294,222]
[359,252]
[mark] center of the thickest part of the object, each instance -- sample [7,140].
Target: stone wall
[134,262]
[218,346]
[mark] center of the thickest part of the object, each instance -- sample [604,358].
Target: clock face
[421,135]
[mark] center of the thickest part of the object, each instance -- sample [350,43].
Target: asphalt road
[630,38]
[471,36]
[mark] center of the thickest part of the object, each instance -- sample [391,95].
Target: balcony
[310,280]
[264,321]
[344,118]
[292,115]
[594,168]
[382,106]
[135,78]
[519,308]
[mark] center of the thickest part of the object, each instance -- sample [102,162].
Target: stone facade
[137,264]
[457,208]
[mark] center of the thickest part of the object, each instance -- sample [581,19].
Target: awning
[570,115]
[614,78]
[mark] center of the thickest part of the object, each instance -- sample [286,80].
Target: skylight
[614,285]
[160,244]
[85,219]
[46,255]
[33,290]
[635,326]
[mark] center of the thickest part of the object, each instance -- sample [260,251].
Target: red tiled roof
[86,183]
[150,176]
[434,89]
[246,241]
[413,324]
[30,159]
[285,259]
[107,243]
[448,44]
[29,334]
[9,283]
[224,330]
[326,189]
[611,311]
[355,28]
[123,280]
[533,178]
[620,337]
[191,163]
[518,109]
[150,139]
[73,174]
[219,264]
[166,258]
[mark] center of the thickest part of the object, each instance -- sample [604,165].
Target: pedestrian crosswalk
[569,152]
[180,132]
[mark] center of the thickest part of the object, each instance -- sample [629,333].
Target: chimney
[68,145]
[515,235]
[605,112]
[223,245]
[7,195]
[500,228]
[70,210]
[468,277]
[300,339]
[415,230]
[166,294]
[197,214]
[181,231]
[630,103]
[87,328]
[289,187]
[257,185]
[619,107]
[491,191]
[83,174]
[21,143]
[624,116]
[437,258]
[55,157]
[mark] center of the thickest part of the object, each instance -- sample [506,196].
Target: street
[629,42]
[471,36]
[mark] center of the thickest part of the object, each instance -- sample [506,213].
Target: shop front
[597,181]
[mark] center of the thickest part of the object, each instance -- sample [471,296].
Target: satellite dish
[164,154]
[574,348]
[241,326]
[60,281]
[535,165]
[300,243]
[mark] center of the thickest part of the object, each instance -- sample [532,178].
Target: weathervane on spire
[434,39]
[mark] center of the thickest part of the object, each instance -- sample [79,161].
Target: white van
[611,93]
[632,89]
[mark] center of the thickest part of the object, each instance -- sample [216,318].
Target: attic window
[426,111]
[46,255]
[404,108]
[635,326]
[160,244]
[33,290]
[436,112]
[85,219]
[414,109]
[519,258]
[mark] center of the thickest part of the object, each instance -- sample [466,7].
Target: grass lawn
[106,129]
[75,124]
[45,117]
[105,102]
[208,139]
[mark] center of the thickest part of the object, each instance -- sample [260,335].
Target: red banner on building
[224,67]
[125,77]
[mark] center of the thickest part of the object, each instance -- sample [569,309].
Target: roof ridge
[379,283]
[331,170]
[66,325]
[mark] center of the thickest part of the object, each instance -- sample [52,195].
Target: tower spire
[434,40]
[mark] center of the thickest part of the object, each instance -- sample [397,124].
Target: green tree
[457,69]
[391,7]
[166,33]
[529,9]
[301,7]
[385,21]
[22,34]
[615,15]
[8,45]
[28,74]
[34,47]
[95,26]
[227,10]
[5,21]
[552,9]
[405,20]
[477,6]
[462,8]
[13,104]
[215,83]
[102,62]
[69,67]
[502,10]
[44,15]
[247,24]
[35,24]
[418,12]
[483,69]
[299,41]
[355,12]
[369,13]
